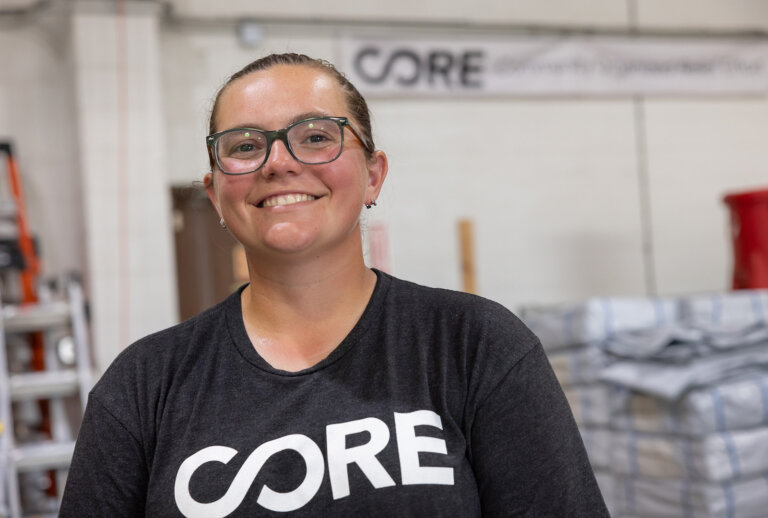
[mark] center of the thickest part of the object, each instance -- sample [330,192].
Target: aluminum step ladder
[67,374]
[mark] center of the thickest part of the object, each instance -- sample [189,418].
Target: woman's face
[326,220]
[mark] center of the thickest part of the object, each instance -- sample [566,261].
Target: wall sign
[556,66]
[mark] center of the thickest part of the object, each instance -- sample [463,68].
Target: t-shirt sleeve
[108,474]
[525,448]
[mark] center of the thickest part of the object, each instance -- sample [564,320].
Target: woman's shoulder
[476,336]
[486,320]
[441,300]
[182,336]
[161,354]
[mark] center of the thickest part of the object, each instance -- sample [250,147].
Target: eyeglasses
[318,140]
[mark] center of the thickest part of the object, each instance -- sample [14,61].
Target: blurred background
[540,152]
[571,193]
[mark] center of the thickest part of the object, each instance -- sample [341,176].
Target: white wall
[543,231]
[697,152]
[38,115]
[588,13]
[552,185]
[702,14]
[716,15]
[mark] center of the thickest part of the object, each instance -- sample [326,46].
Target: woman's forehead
[278,94]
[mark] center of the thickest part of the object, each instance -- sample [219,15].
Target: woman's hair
[356,104]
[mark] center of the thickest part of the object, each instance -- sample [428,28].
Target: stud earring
[222,224]
[370,204]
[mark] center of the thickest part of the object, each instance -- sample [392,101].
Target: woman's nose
[280,160]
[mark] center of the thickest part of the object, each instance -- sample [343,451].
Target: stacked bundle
[689,412]
[573,337]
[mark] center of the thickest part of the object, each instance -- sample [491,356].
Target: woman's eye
[317,138]
[245,147]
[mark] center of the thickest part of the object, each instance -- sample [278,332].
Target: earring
[370,204]
[222,224]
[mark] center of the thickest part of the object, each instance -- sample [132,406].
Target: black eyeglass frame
[282,135]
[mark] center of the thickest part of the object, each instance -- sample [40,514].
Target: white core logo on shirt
[339,457]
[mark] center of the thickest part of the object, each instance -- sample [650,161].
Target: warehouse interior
[596,212]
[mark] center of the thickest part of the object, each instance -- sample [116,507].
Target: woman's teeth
[286,199]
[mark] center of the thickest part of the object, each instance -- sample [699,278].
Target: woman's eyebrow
[294,119]
[307,115]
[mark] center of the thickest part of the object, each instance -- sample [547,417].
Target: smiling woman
[322,387]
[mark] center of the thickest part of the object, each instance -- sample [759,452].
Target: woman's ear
[210,190]
[377,172]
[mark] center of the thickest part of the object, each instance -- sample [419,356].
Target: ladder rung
[44,384]
[45,455]
[7,208]
[35,317]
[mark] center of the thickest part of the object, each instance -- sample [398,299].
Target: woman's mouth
[286,199]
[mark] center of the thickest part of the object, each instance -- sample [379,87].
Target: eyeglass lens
[311,142]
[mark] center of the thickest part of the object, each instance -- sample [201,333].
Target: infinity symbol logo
[272,500]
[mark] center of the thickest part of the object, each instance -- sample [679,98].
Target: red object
[30,272]
[28,276]
[749,231]
[26,245]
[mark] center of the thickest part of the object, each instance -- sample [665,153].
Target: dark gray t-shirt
[437,403]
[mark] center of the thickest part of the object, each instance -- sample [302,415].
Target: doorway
[208,258]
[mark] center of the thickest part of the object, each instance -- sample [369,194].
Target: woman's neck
[296,316]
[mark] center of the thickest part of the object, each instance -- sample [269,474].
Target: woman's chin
[290,238]
[298,239]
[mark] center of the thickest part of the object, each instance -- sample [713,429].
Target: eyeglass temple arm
[364,140]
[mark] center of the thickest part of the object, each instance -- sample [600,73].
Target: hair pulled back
[356,104]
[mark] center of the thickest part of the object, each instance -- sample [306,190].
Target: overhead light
[250,34]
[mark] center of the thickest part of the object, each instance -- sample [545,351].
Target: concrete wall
[553,185]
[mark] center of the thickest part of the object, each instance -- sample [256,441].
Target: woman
[322,387]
